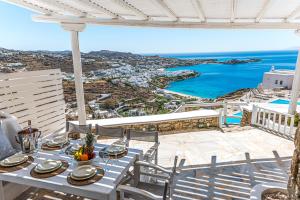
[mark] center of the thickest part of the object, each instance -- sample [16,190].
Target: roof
[282,72]
[273,14]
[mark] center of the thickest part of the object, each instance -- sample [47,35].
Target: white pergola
[74,15]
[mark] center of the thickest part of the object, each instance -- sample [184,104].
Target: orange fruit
[84,157]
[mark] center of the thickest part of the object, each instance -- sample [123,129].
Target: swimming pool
[233,120]
[282,101]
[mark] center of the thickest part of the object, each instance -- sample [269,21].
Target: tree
[294,180]
[110,104]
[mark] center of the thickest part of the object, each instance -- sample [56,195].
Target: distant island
[237,61]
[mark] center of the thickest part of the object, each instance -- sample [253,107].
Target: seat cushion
[6,148]
[10,128]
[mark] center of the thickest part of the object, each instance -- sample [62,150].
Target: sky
[18,31]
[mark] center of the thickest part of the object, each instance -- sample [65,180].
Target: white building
[278,79]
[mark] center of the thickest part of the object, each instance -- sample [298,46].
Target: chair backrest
[172,176]
[70,127]
[111,132]
[147,136]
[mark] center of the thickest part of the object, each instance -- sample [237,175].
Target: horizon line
[162,53]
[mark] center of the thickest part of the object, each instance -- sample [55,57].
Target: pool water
[231,120]
[282,101]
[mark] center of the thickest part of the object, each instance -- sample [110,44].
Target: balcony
[214,163]
[218,164]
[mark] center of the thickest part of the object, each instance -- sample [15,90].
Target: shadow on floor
[230,180]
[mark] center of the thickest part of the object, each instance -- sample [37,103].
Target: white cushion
[10,128]
[6,148]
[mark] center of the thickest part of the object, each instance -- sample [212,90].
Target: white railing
[273,120]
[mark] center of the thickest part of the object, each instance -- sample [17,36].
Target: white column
[296,85]
[75,29]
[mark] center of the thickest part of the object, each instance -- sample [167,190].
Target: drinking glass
[105,158]
[62,145]
[39,146]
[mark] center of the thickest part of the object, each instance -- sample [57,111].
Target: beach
[181,94]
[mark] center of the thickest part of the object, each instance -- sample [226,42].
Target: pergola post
[75,29]
[296,84]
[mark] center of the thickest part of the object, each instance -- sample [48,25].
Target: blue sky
[18,31]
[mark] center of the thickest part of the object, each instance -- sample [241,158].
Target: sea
[220,79]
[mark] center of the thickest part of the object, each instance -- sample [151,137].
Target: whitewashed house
[278,79]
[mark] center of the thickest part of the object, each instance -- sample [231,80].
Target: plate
[83,172]
[56,142]
[116,149]
[14,160]
[48,166]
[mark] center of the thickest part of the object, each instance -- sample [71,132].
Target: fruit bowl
[84,156]
[85,162]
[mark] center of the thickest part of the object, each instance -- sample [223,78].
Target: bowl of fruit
[85,154]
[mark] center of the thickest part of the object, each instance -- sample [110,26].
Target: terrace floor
[220,165]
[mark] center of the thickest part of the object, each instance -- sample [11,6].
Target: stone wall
[177,126]
[246,118]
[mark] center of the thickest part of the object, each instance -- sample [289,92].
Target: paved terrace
[218,165]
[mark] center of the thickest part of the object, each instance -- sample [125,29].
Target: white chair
[141,190]
[150,154]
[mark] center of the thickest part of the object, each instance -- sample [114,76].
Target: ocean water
[219,79]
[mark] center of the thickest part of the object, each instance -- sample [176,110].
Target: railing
[273,120]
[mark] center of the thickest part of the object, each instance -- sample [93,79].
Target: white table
[105,189]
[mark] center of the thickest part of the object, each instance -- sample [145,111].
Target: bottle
[26,140]
[29,126]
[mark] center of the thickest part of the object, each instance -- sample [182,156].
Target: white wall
[272,80]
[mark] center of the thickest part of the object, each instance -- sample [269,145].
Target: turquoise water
[231,120]
[218,79]
[282,101]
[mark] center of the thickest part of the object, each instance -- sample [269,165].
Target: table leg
[1,191]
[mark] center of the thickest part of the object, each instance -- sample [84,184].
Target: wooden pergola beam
[93,4]
[167,9]
[293,14]
[31,6]
[233,10]
[60,5]
[198,7]
[167,24]
[264,9]
[131,8]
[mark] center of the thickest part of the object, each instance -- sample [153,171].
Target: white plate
[49,165]
[47,171]
[56,142]
[115,149]
[83,172]
[14,160]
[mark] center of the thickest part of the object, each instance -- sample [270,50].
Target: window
[276,82]
[281,82]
